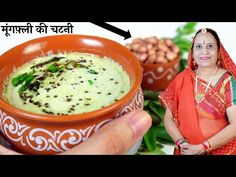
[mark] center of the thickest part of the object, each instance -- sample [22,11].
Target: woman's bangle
[206,145]
[179,142]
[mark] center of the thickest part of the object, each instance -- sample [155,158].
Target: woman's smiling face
[205,50]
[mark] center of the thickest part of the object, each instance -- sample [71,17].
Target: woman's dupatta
[179,98]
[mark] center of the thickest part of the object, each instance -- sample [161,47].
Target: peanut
[149,46]
[162,47]
[151,59]
[136,46]
[152,40]
[160,53]
[170,56]
[143,57]
[138,40]
[129,46]
[142,49]
[153,50]
[169,42]
[161,42]
[160,59]
[175,49]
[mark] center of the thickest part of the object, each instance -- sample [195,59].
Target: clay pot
[50,134]
[157,77]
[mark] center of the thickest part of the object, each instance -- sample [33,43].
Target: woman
[201,101]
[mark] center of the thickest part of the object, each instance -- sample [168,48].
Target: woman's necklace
[200,96]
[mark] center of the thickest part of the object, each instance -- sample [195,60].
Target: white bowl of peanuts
[160,59]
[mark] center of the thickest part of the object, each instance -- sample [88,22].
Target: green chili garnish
[53,68]
[26,83]
[19,79]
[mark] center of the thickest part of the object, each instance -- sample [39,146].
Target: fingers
[117,136]
[188,149]
[184,145]
[184,148]
[5,151]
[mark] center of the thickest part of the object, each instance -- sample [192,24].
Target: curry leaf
[157,109]
[150,139]
[162,134]
[149,94]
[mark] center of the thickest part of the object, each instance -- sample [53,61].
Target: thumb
[116,137]
[5,151]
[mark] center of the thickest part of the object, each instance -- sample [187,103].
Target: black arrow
[114,29]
